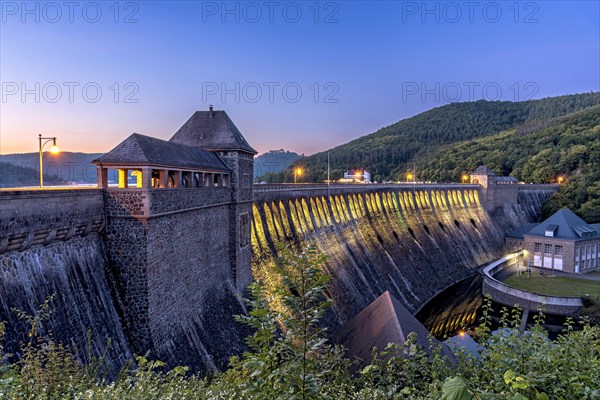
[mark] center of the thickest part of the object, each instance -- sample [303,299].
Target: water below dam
[459,308]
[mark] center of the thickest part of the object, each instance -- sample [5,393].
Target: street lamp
[561,179]
[297,173]
[358,176]
[54,150]
[409,177]
[465,178]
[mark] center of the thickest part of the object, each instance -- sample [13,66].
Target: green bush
[289,357]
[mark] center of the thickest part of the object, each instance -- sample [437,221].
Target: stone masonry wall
[191,291]
[173,275]
[126,202]
[29,217]
[51,245]
[175,199]
[126,240]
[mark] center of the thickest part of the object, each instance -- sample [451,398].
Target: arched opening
[411,233]
[427,229]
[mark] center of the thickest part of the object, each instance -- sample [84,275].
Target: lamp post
[297,173]
[358,176]
[328,178]
[465,178]
[54,150]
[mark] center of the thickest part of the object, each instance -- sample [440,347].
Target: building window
[548,249]
[537,247]
[558,250]
[577,252]
[244,230]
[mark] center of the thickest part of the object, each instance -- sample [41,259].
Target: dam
[159,263]
[414,242]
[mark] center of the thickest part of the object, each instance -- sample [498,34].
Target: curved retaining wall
[509,296]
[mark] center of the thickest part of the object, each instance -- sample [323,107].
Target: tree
[290,356]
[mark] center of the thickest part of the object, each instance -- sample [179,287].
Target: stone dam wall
[414,242]
[154,273]
[52,246]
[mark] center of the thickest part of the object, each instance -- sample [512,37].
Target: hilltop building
[356,176]
[563,242]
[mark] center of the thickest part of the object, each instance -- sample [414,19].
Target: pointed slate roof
[145,150]
[383,321]
[521,231]
[483,170]
[564,224]
[213,131]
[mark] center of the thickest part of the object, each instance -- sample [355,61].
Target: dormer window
[550,230]
[584,231]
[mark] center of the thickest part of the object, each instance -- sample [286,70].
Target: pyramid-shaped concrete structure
[383,321]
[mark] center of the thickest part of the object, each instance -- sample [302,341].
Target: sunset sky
[302,76]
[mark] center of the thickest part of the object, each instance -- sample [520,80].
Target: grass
[549,285]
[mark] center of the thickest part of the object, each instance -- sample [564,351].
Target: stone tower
[178,239]
[214,131]
[496,191]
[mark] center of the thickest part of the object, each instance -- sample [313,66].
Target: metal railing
[282,187]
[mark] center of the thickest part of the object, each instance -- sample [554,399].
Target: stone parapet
[41,217]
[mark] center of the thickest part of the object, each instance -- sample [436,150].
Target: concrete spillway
[413,243]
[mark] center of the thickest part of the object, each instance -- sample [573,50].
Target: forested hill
[273,162]
[389,152]
[567,146]
[65,167]
[12,175]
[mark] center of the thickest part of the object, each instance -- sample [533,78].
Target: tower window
[244,230]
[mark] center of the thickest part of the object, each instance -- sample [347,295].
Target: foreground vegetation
[289,357]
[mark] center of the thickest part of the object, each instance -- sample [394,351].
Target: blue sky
[304,76]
